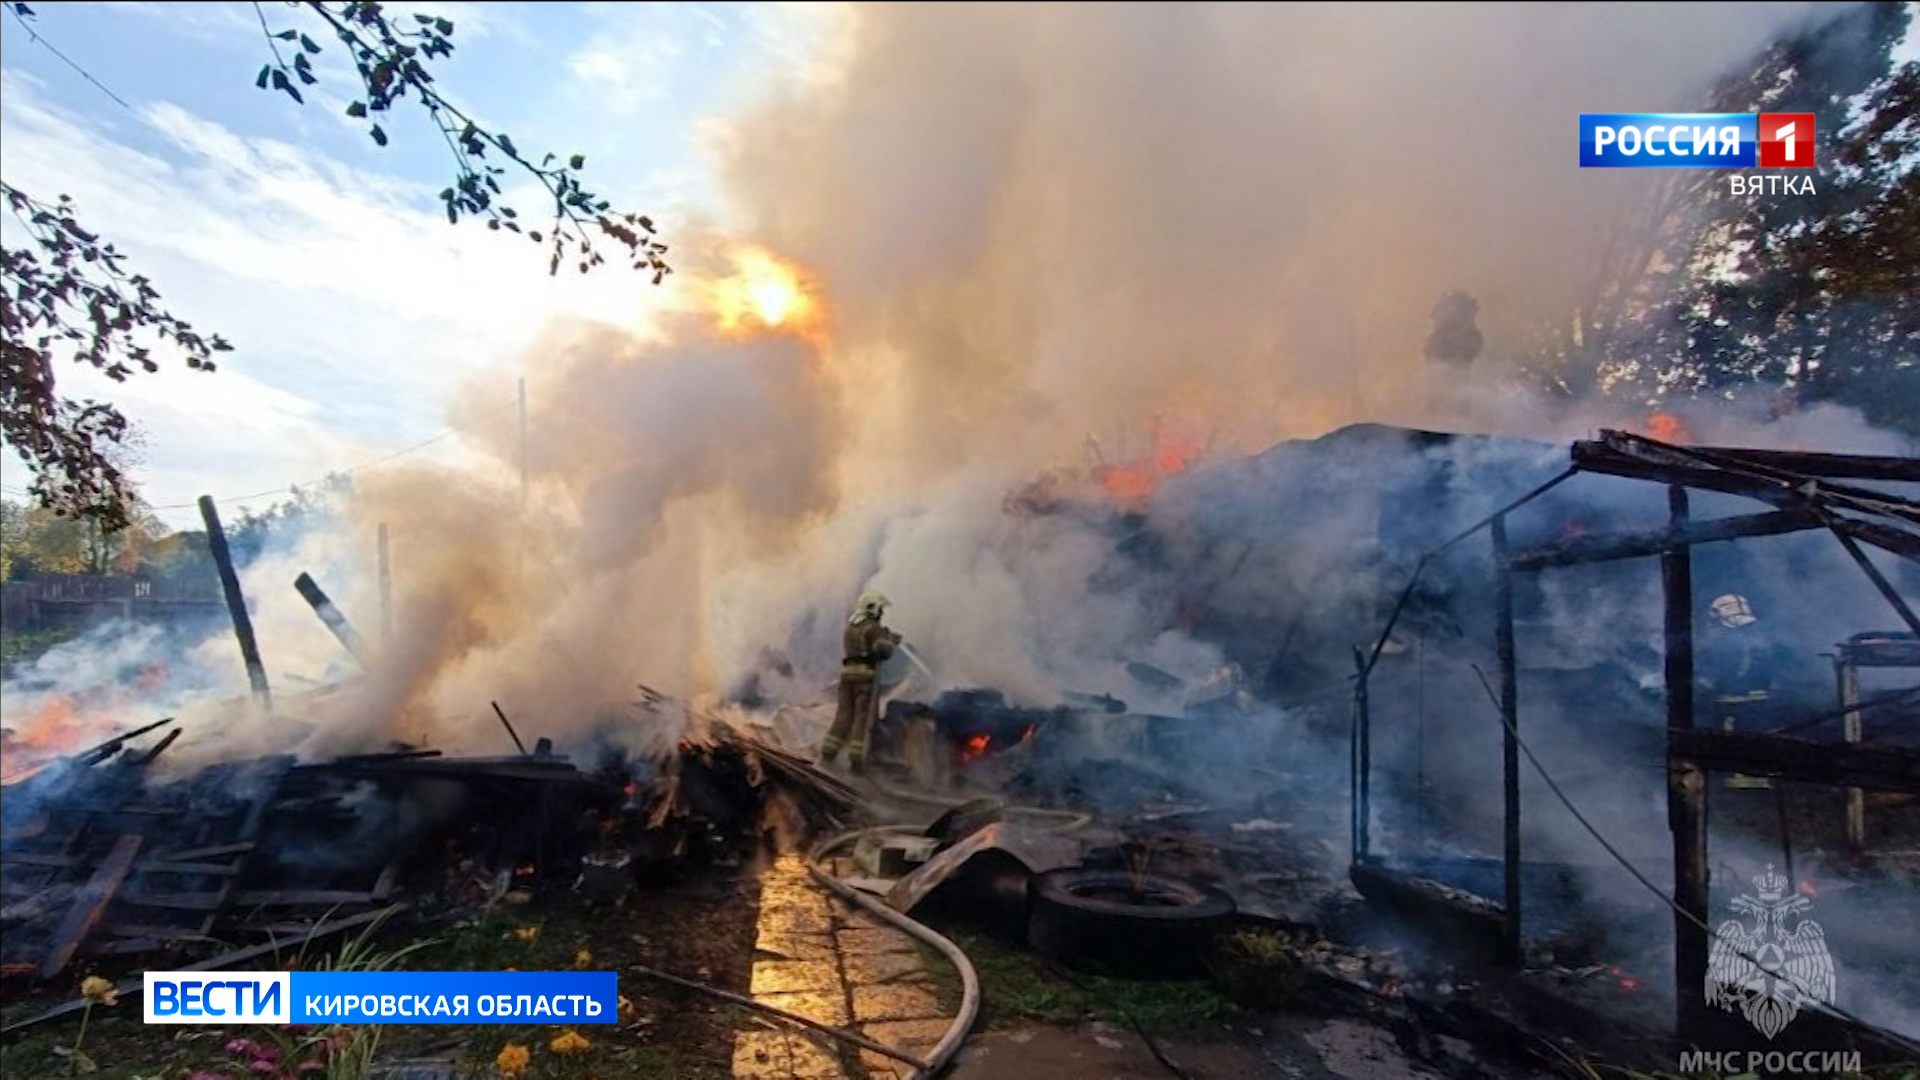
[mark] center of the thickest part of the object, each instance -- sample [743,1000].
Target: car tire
[1110,922]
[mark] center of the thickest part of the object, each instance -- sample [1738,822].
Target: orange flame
[1667,428]
[1173,452]
[765,293]
[974,747]
[58,728]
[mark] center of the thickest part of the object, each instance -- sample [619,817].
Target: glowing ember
[974,747]
[1667,428]
[1807,889]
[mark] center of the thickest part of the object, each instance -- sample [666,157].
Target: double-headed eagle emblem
[1767,971]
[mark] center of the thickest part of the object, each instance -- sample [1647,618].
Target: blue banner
[455,997]
[1670,140]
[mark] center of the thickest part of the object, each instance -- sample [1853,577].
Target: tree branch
[392,65]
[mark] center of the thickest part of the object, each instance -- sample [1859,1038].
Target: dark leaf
[578,162]
[357,110]
[287,35]
[309,44]
[379,136]
[266,72]
[445,27]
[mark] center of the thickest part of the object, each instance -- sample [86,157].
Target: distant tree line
[36,541]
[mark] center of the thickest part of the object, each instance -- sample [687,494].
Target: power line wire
[21,13]
[404,451]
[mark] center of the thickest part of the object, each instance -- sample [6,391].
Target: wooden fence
[73,601]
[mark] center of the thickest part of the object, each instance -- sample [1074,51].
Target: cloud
[353,309]
[624,66]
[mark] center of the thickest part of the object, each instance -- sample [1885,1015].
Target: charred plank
[1876,768]
[134,987]
[1634,545]
[90,904]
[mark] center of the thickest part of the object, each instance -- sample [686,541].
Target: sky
[353,306]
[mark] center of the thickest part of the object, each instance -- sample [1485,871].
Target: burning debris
[104,860]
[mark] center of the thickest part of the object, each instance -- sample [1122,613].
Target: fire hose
[949,1043]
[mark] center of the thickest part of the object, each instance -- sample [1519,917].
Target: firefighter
[1737,670]
[867,644]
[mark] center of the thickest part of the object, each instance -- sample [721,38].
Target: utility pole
[523,439]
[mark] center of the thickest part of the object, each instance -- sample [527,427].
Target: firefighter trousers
[853,721]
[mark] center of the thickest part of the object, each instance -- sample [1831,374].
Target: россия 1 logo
[1704,141]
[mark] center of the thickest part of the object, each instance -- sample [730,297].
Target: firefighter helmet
[871,605]
[1733,611]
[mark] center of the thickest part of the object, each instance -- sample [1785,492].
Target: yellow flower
[571,1042]
[512,1060]
[528,933]
[96,989]
[583,959]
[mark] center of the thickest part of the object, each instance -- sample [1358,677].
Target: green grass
[1017,986]
[19,647]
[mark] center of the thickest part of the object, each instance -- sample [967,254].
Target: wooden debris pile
[100,859]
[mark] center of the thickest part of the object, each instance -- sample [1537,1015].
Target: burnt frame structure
[1806,491]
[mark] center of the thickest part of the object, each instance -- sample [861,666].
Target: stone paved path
[821,958]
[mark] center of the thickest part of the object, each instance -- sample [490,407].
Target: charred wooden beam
[1879,580]
[1634,545]
[1619,454]
[94,755]
[1875,768]
[1686,782]
[212,851]
[1505,650]
[330,614]
[508,724]
[90,904]
[1879,652]
[1900,470]
[1362,760]
[1890,540]
[236,602]
[305,898]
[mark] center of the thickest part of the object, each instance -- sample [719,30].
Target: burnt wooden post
[1510,745]
[1686,783]
[330,614]
[1362,760]
[236,602]
[1850,700]
[386,590]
